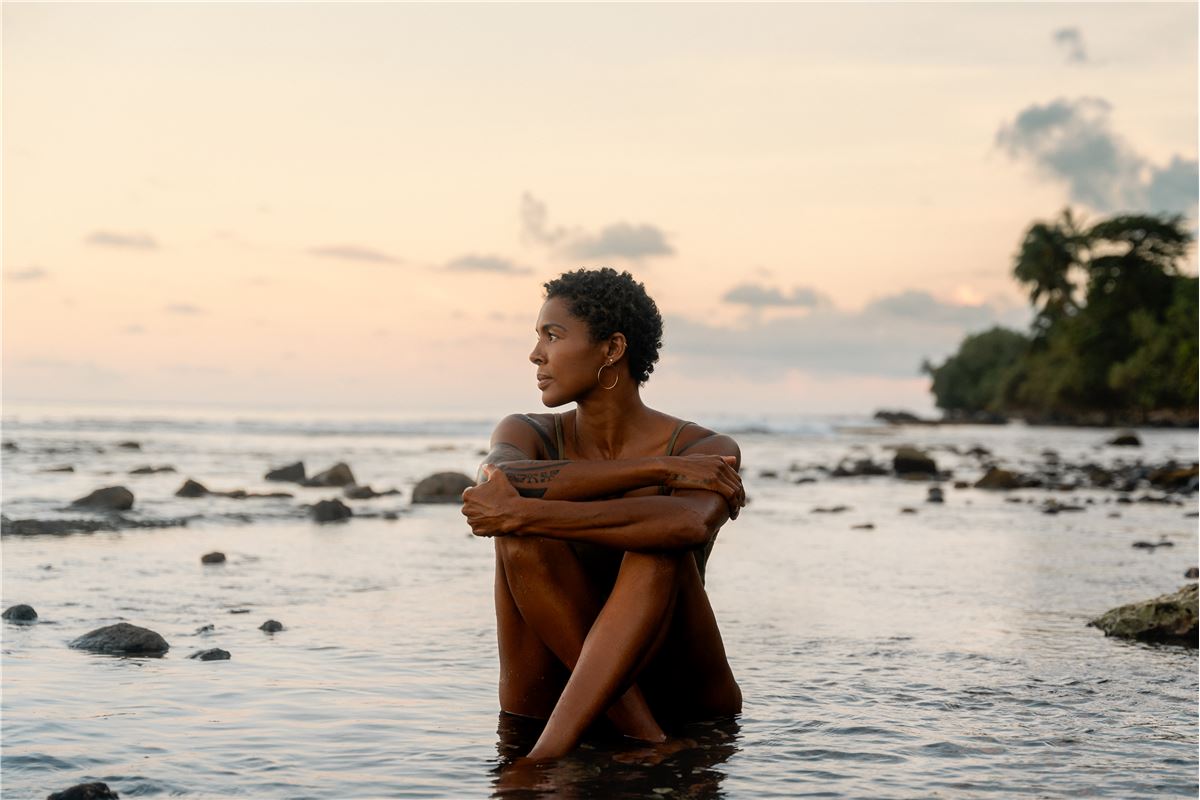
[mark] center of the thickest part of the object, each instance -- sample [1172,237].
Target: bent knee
[525,551]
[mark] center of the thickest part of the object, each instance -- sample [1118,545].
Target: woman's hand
[711,473]
[491,507]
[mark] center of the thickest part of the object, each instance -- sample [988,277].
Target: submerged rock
[936,495]
[112,498]
[331,511]
[151,470]
[1169,619]
[212,654]
[909,460]
[1125,439]
[64,468]
[337,475]
[21,614]
[271,626]
[59,527]
[191,488]
[997,478]
[215,557]
[442,487]
[122,639]
[355,492]
[129,445]
[293,473]
[85,791]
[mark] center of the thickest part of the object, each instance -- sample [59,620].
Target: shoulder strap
[674,436]
[558,432]
[541,433]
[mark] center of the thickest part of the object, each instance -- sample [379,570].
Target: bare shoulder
[699,440]
[521,437]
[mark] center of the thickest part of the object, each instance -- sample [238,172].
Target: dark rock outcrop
[331,511]
[21,614]
[997,478]
[1125,439]
[1169,618]
[442,487]
[271,626]
[909,460]
[110,498]
[122,639]
[292,473]
[337,475]
[215,557]
[85,791]
[212,654]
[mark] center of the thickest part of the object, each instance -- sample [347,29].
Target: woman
[600,604]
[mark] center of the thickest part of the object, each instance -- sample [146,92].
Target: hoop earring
[601,385]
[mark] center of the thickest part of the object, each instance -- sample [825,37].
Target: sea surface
[942,653]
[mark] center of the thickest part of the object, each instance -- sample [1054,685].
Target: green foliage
[1127,348]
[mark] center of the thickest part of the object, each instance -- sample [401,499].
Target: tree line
[1113,339]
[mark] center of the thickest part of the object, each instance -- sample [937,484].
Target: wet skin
[631,636]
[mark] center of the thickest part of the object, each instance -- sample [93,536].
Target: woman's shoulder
[533,434]
[689,435]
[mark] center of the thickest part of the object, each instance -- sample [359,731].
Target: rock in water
[271,626]
[212,654]
[111,498]
[331,511]
[22,614]
[935,495]
[1193,573]
[1170,619]
[85,791]
[215,557]
[129,445]
[337,475]
[442,487]
[293,473]
[997,478]
[122,639]
[191,488]
[1125,439]
[909,460]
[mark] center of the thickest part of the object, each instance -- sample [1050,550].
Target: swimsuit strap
[558,432]
[541,432]
[674,436]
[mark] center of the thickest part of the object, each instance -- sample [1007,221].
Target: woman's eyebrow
[548,326]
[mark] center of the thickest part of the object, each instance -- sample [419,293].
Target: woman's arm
[514,439]
[687,518]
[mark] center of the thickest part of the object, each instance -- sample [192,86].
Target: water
[941,654]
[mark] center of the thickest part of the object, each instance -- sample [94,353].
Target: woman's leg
[545,605]
[623,638]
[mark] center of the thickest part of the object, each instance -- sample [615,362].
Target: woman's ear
[616,347]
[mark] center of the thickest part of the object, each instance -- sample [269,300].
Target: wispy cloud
[351,252]
[756,295]
[1070,140]
[130,241]
[184,308]
[480,263]
[1070,40]
[31,274]
[616,240]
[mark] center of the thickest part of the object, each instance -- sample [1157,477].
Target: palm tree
[1048,254]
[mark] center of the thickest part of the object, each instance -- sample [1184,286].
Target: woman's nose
[536,355]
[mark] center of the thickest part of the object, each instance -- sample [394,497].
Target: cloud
[616,240]
[132,241]
[31,274]
[889,337]
[758,296]
[184,308]
[1070,40]
[476,263]
[1070,140]
[351,252]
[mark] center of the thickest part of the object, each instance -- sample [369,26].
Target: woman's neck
[606,420]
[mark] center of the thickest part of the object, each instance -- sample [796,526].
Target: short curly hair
[611,302]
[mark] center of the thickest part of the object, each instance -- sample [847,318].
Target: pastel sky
[353,207]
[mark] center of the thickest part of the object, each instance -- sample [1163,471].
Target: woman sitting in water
[600,604]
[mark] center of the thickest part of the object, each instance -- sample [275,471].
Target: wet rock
[1162,542]
[85,791]
[441,487]
[962,485]
[239,611]
[11,447]
[805,480]
[293,473]
[1053,507]
[1174,478]
[908,511]
[129,445]
[60,527]
[830,510]
[122,639]
[365,492]
[391,515]
[979,451]
[909,460]
[212,654]
[768,473]
[191,488]
[935,495]
[110,498]
[209,628]
[1193,573]
[1125,439]
[866,526]
[997,478]
[337,475]
[861,467]
[215,557]
[22,614]
[331,511]
[271,626]
[64,468]
[147,470]
[1169,618]
[900,418]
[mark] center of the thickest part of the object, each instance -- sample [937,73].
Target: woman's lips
[541,382]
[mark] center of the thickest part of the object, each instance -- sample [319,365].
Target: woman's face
[566,357]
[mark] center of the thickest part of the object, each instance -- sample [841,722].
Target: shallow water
[942,654]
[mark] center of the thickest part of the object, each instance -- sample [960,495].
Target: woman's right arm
[513,441]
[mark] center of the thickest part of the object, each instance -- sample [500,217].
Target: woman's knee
[526,552]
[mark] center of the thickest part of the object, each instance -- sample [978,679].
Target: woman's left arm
[684,519]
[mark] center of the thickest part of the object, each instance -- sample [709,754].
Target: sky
[354,207]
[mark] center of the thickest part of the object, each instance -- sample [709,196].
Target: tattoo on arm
[530,481]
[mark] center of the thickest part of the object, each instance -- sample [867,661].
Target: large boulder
[1169,618]
[122,639]
[909,460]
[293,473]
[997,478]
[20,614]
[331,511]
[337,475]
[111,498]
[442,487]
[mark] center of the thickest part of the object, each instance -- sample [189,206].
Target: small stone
[215,557]
[935,495]
[1125,439]
[293,473]
[866,526]
[331,511]
[908,511]
[212,654]
[209,628]
[64,468]
[150,470]
[21,614]
[111,498]
[85,791]
[442,487]
[122,639]
[129,445]
[997,478]
[271,626]
[1193,573]
[191,488]
[239,611]
[391,515]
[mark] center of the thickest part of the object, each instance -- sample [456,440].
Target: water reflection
[609,765]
